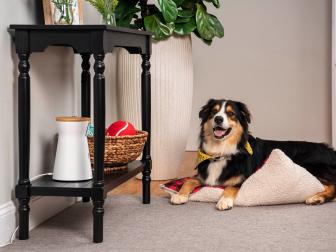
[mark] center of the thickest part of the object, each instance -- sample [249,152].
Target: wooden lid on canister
[72,119]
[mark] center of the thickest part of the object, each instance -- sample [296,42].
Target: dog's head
[224,121]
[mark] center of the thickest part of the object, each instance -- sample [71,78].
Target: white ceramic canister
[72,162]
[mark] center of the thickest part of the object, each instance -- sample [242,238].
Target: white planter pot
[172,88]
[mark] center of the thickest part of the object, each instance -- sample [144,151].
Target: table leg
[85,85]
[24,145]
[99,147]
[146,125]
[86,92]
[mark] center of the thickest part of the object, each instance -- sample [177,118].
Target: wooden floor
[134,185]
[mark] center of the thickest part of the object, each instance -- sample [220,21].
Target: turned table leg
[85,85]
[86,92]
[99,146]
[146,125]
[22,189]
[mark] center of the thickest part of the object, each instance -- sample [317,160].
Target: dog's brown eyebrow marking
[229,109]
[216,107]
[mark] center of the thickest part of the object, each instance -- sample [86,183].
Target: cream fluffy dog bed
[279,181]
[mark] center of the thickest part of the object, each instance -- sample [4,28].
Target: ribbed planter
[172,88]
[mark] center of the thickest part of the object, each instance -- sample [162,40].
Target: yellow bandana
[203,156]
[248,148]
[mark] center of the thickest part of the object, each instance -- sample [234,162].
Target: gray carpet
[132,226]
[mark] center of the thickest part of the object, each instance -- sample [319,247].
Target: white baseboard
[7,221]
[41,209]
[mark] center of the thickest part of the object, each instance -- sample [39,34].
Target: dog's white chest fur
[214,171]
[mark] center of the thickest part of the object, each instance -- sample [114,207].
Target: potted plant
[171,22]
[179,17]
[106,8]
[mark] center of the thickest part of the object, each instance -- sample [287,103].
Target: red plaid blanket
[175,185]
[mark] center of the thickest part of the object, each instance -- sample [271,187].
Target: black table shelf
[86,40]
[46,186]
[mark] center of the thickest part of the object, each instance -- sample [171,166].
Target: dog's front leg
[183,195]
[226,200]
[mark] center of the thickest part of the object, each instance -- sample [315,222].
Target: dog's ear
[244,110]
[205,110]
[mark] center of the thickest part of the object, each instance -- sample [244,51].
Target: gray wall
[51,88]
[276,57]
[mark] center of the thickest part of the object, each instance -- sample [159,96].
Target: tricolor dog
[228,154]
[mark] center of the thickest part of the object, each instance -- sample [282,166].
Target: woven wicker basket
[120,150]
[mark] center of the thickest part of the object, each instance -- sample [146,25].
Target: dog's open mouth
[220,132]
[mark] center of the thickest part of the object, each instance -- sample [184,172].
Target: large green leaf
[178,2]
[208,42]
[168,9]
[185,13]
[160,30]
[204,23]
[125,22]
[180,20]
[184,16]
[219,30]
[125,11]
[189,5]
[186,28]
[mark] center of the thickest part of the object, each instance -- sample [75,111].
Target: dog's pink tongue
[219,133]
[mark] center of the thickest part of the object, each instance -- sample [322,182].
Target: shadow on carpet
[132,226]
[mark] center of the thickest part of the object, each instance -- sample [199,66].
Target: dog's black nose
[218,119]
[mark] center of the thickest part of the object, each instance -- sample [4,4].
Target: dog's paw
[315,200]
[178,199]
[224,204]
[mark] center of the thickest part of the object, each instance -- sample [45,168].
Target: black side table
[85,40]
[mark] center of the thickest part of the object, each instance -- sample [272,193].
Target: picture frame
[50,16]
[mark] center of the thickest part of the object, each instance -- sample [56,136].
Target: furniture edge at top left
[82,38]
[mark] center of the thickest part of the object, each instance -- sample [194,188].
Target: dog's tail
[317,158]
[322,165]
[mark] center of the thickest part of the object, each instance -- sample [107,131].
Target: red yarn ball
[121,128]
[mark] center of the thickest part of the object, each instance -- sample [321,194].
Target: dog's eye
[215,109]
[230,114]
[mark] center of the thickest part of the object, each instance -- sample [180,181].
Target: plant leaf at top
[169,10]
[208,42]
[185,13]
[125,12]
[186,28]
[161,31]
[184,16]
[178,2]
[180,20]
[125,20]
[126,7]
[219,30]
[204,24]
